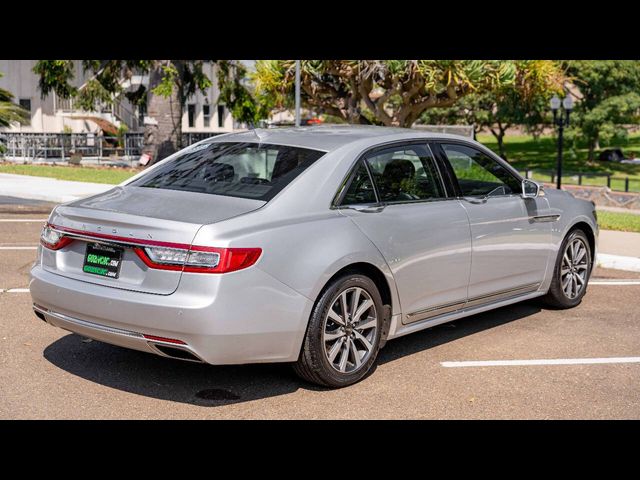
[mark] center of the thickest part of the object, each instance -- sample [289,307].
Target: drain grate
[217,394]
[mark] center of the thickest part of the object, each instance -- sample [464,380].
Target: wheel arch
[371,271]
[388,292]
[589,232]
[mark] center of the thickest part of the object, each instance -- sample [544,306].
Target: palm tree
[9,111]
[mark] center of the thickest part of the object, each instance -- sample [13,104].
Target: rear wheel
[343,336]
[572,271]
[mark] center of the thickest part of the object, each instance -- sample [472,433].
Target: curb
[618,262]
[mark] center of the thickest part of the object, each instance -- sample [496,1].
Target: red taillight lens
[232,259]
[199,259]
[52,239]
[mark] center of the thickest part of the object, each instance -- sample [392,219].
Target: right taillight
[199,259]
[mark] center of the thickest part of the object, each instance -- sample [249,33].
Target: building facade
[55,115]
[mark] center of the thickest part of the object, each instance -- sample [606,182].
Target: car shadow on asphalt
[210,386]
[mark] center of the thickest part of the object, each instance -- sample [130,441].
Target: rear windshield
[246,170]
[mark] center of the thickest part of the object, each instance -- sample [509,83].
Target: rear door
[510,247]
[422,232]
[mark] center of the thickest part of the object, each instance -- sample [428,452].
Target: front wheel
[343,336]
[572,271]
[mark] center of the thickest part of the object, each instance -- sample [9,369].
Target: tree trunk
[500,139]
[594,144]
[163,124]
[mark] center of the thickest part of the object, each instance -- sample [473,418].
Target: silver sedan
[308,245]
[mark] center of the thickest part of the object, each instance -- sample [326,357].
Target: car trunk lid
[125,217]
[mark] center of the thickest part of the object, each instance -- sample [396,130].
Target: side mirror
[530,189]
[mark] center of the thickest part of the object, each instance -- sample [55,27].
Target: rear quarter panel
[301,252]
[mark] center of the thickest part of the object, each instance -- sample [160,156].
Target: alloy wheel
[575,268]
[349,330]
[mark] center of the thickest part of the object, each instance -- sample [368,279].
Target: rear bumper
[241,317]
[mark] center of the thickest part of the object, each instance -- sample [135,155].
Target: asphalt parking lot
[48,373]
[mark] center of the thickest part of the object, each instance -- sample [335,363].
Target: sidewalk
[632,211]
[619,250]
[47,189]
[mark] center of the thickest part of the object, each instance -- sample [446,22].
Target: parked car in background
[313,246]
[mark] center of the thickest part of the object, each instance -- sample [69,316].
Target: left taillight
[199,259]
[52,239]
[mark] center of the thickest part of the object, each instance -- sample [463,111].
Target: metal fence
[59,147]
[590,179]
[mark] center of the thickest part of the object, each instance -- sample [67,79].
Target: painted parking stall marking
[14,290]
[18,247]
[22,220]
[555,361]
[614,282]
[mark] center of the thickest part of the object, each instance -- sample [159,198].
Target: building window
[191,110]
[206,115]
[221,116]
[26,104]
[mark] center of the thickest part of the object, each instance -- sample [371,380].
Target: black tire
[556,296]
[313,364]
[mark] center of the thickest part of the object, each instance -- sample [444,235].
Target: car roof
[327,137]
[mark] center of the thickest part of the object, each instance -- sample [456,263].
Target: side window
[478,174]
[360,189]
[406,173]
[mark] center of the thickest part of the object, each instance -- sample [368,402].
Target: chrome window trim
[489,153]
[336,203]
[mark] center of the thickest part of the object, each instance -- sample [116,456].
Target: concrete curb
[618,262]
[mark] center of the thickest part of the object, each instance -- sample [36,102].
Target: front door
[511,246]
[421,230]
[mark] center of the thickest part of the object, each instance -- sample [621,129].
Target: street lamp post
[561,119]
[297,93]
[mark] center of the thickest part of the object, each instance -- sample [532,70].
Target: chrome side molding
[474,302]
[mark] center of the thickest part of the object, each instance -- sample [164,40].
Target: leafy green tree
[171,82]
[384,92]
[610,100]
[522,102]
[237,94]
[11,112]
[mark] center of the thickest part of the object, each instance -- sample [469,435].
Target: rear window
[245,170]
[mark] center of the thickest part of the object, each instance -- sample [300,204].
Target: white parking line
[19,248]
[614,282]
[26,220]
[14,290]
[557,361]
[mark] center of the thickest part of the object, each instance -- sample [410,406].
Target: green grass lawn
[523,152]
[79,174]
[625,222]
